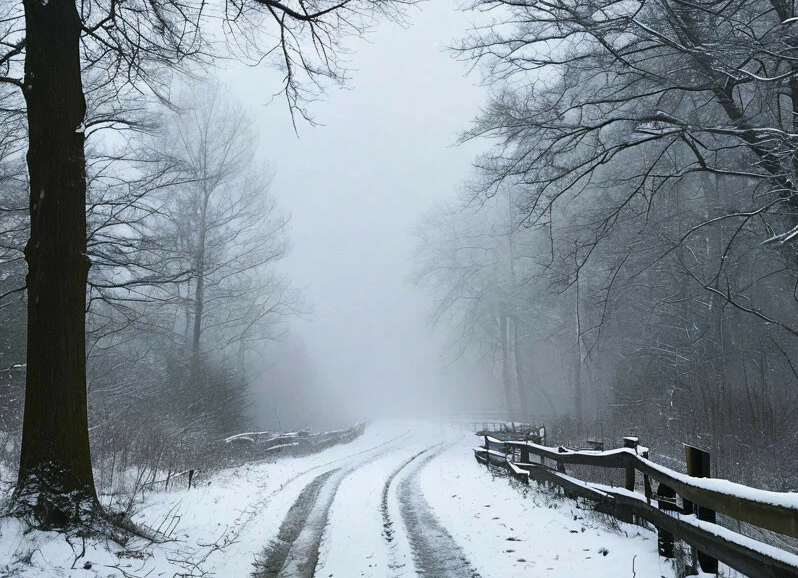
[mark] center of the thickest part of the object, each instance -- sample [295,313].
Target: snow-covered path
[404,500]
[434,551]
[421,506]
[369,518]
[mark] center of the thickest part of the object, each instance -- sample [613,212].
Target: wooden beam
[732,549]
[781,519]
[776,518]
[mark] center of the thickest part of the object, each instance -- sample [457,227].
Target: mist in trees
[619,261]
[79,67]
[183,294]
[623,251]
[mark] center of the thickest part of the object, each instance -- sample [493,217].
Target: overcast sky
[356,186]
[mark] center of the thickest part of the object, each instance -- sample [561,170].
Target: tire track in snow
[388,530]
[276,554]
[434,551]
[294,553]
[387,523]
[303,473]
[211,552]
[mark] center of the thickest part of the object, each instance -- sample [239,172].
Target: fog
[228,228]
[383,154]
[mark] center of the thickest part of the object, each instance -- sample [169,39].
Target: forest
[624,256]
[617,259]
[184,237]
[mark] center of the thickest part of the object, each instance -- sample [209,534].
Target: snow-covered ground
[403,500]
[508,533]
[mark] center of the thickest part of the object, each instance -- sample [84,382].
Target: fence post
[647,488]
[487,452]
[698,466]
[643,453]
[524,454]
[666,501]
[560,465]
[190,477]
[630,442]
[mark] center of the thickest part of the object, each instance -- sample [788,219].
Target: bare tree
[476,261]
[633,97]
[131,43]
[184,238]
[224,224]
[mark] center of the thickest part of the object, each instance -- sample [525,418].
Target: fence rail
[774,511]
[490,425]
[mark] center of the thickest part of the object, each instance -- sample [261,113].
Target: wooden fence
[692,521]
[489,425]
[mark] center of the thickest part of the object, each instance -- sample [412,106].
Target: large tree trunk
[55,476]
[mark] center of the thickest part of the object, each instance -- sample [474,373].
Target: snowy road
[413,541]
[434,551]
[404,500]
[419,505]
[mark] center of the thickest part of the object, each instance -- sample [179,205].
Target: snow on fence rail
[773,511]
[484,425]
[252,446]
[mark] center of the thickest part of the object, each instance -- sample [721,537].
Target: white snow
[781,499]
[344,550]
[219,528]
[507,534]
[278,446]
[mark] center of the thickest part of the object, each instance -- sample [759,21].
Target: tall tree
[476,262]
[129,42]
[55,472]
[583,106]
[223,222]
[218,227]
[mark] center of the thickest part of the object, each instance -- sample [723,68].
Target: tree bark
[55,475]
[199,305]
